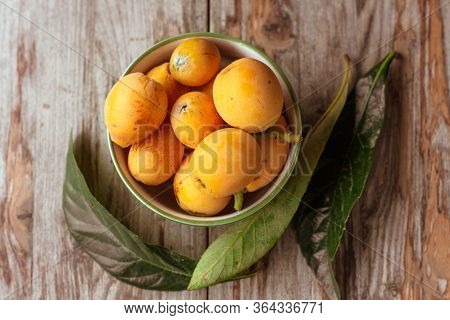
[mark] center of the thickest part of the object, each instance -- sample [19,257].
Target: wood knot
[273,26]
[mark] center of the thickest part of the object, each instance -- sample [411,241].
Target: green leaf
[248,240]
[341,174]
[115,248]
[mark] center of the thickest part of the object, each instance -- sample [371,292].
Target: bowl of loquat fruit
[203,128]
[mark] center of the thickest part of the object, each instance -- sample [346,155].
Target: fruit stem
[238,200]
[288,137]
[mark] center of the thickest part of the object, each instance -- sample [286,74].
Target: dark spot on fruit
[202,184]
[269,82]
[183,107]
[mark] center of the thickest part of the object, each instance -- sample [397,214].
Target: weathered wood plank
[56,89]
[404,216]
[18,63]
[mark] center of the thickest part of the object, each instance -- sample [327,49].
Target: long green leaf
[249,240]
[115,248]
[341,175]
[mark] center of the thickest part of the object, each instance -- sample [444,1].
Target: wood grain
[55,79]
[403,217]
[16,204]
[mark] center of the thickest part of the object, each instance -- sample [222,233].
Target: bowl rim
[197,221]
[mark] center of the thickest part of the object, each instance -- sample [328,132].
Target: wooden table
[59,59]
